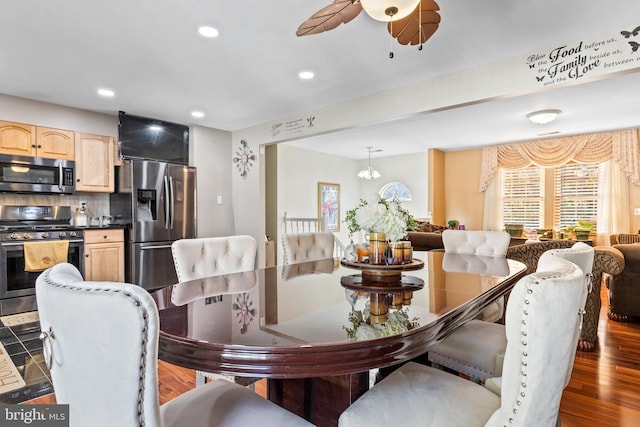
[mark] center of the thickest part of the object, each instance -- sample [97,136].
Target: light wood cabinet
[94,163]
[55,143]
[104,255]
[20,139]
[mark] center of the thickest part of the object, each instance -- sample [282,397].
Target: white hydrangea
[374,216]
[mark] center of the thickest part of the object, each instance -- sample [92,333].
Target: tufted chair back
[487,243]
[303,247]
[482,243]
[583,256]
[102,349]
[542,320]
[100,341]
[213,256]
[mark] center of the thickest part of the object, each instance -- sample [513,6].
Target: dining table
[318,330]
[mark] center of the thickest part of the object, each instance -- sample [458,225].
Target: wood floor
[604,388]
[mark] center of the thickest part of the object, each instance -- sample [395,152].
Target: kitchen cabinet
[94,163]
[20,139]
[104,254]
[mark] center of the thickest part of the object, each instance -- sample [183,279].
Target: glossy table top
[293,321]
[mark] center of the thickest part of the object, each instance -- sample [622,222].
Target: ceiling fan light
[377,9]
[543,116]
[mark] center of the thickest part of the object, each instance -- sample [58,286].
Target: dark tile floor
[23,345]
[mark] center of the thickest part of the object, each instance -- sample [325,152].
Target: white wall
[210,153]
[22,110]
[300,170]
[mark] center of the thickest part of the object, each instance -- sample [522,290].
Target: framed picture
[329,204]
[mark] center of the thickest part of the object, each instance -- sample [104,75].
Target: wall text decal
[586,58]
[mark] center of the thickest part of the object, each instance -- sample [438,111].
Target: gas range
[19,234]
[21,223]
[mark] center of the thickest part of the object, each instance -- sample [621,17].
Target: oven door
[14,281]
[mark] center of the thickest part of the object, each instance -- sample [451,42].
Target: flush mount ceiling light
[208,32]
[369,172]
[107,93]
[197,114]
[408,21]
[306,75]
[543,116]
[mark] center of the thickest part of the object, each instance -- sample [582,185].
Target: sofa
[426,236]
[624,288]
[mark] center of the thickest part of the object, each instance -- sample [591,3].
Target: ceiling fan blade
[410,30]
[328,18]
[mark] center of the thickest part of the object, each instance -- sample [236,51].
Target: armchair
[624,288]
[100,342]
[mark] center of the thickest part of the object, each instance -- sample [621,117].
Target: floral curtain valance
[621,146]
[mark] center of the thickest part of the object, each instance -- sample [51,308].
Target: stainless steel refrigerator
[157,202]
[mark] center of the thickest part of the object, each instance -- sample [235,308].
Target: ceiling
[149,53]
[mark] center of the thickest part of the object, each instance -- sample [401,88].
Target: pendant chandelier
[369,172]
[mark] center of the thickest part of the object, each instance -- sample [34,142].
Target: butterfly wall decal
[416,28]
[634,46]
[633,33]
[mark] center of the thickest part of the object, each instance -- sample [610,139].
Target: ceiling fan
[409,21]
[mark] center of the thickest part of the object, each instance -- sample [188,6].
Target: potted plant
[514,230]
[581,230]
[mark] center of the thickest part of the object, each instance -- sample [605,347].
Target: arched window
[395,190]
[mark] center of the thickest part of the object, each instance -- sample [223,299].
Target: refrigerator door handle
[172,204]
[167,203]
[146,248]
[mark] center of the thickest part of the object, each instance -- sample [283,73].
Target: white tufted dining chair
[477,348]
[213,256]
[303,247]
[487,243]
[483,243]
[100,342]
[542,320]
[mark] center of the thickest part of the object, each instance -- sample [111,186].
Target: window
[574,195]
[523,197]
[395,190]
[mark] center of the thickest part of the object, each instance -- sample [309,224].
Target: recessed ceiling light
[306,75]
[106,93]
[208,32]
[197,114]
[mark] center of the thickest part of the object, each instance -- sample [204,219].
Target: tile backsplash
[98,203]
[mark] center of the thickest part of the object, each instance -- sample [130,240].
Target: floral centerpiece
[397,322]
[380,216]
[385,221]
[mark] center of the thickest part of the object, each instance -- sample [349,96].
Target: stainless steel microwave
[22,174]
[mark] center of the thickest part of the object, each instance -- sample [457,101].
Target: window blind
[523,196]
[576,194]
